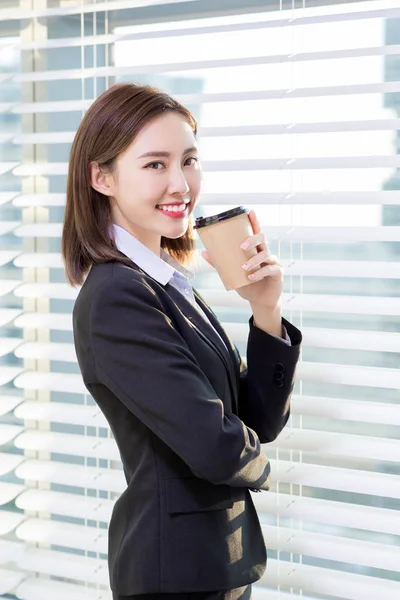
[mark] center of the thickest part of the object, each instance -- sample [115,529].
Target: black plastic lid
[227,214]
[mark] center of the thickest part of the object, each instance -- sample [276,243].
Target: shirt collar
[161,268]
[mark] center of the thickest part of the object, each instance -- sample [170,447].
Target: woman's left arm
[267,383]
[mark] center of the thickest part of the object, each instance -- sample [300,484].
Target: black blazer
[188,425]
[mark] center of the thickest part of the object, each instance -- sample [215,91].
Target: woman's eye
[155,165]
[193,160]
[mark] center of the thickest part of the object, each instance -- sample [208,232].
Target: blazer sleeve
[266,384]
[145,362]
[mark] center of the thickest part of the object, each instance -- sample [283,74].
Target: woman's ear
[100,181]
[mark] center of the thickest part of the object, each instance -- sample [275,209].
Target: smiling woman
[187,419]
[112,181]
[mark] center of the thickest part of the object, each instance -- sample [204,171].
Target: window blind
[298,107]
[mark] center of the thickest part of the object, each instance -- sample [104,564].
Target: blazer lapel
[234,362]
[207,333]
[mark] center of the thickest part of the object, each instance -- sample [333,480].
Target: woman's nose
[178,183]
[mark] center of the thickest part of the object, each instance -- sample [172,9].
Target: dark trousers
[242,593]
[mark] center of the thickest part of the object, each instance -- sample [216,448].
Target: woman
[187,419]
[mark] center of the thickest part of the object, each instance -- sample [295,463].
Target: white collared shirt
[164,268]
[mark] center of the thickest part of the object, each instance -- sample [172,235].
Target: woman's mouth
[176,211]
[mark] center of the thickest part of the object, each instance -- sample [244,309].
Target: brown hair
[107,129]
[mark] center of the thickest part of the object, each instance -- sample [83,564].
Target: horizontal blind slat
[9,580]
[62,473]
[9,521]
[350,410]
[306,268]
[64,564]
[8,433]
[65,443]
[7,315]
[259,592]
[58,412]
[274,21]
[10,551]
[273,232]
[316,406]
[66,137]
[338,444]
[46,351]
[78,8]
[289,198]
[8,403]
[297,541]
[33,588]
[6,197]
[336,478]
[46,107]
[6,256]
[8,226]
[305,474]
[49,260]
[369,11]
[9,462]
[226,63]
[337,584]
[53,321]
[331,547]
[8,285]
[7,166]
[9,491]
[374,377]
[68,535]
[24,200]
[273,164]
[363,305]
[51,382]
[366,305]
[8,345]
[220,97]
[67,505]
[318,337]
[339,514]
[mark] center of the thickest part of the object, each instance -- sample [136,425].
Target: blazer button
[280,367]
[279,378]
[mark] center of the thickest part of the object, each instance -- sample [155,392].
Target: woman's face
[156,183]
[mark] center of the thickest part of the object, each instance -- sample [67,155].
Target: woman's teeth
[173,208]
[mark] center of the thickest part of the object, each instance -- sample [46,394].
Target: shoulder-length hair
[107,129]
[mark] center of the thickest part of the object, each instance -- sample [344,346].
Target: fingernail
[246,266]
[245,245]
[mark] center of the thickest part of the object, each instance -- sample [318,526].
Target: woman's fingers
[274,271]
[258,239]
[255,223]
[263,257]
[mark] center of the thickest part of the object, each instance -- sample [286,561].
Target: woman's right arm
[145,362]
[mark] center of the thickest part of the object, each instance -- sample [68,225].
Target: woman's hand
[266,289]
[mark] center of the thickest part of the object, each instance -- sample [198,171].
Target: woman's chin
[176,230]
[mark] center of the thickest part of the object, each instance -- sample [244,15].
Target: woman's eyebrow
[161,154]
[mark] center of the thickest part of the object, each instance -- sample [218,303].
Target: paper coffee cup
[222,235]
